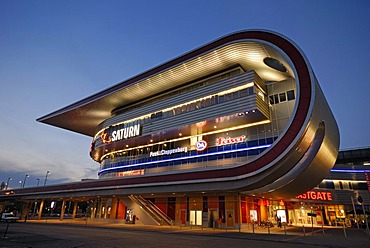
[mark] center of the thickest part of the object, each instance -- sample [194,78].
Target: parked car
[8,217]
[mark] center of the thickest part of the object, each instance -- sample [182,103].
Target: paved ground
[55,233]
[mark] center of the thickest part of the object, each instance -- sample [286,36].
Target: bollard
[253,228]
[323,232]
[240,227]
[344,230]
[6,230]
[214,223]
[268,228]
[285,229]
[304,231]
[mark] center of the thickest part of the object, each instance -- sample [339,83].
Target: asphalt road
[63,235]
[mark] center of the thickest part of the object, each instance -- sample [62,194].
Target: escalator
[152,210]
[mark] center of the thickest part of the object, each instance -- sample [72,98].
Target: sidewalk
[331,237]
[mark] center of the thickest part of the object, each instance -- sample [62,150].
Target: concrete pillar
[63,210]
[40,209]
[113,211]
[25,210]
[75,205]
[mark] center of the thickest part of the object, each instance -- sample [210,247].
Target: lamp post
[24,181]
[7,183]
[46,176]
[20,183]
[38,182]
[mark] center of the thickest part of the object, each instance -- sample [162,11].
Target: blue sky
[53,53]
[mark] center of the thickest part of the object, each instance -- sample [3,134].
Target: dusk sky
[54,53]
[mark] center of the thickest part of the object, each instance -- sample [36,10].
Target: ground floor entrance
[226,211]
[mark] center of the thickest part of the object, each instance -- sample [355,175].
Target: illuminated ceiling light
[180,134]
[126,145]
[254,56]
[151,140]
[214,126]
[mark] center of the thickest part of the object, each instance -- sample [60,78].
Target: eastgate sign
[168,152]
[316,195]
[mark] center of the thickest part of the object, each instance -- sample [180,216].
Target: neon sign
[226,141]
[168,152]
[105,138]
[131,173]
[120,134]
[201,145]
[313,195]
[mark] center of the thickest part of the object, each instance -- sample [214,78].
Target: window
[271,100]
[244,92]
[290,95]
[276,99]
[329,184]
[282,97]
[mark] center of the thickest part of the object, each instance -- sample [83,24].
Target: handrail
[157,209]
[150,212]
[154,212]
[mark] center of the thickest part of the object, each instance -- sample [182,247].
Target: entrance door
[183,216]
[213,217]
[230,218]
[195,217]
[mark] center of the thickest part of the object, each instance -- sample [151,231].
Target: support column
[40,209]
[25,210]
[75,205]
[63,210]
[113,211]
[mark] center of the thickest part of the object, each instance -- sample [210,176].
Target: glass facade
[236,134]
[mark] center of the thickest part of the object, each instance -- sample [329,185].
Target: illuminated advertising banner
[168,152]
[201,145]
[122,133]
[226,141]
[131,173]
[316,195]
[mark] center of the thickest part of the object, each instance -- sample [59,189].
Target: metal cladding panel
[300,157]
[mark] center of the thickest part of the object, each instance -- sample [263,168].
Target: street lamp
[20,183]
[46,177]
[7,183]
[24,181]
[38,181]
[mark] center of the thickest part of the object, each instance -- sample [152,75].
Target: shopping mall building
[230,131]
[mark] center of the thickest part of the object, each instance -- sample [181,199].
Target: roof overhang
[240,48]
